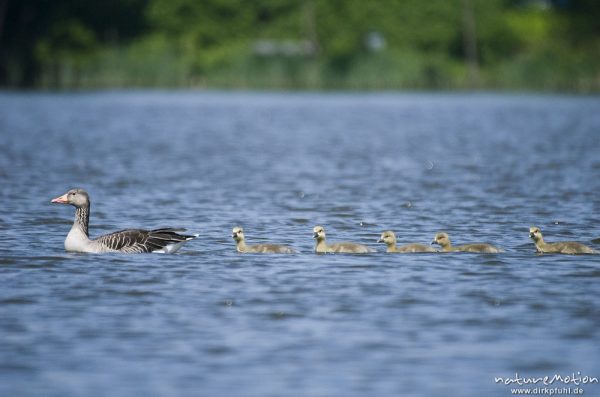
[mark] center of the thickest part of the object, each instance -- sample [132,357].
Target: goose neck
[241,245]
[82,219]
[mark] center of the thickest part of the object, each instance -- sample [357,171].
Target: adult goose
[389,238]
[349,248]
[165,240]
[240,242]
[443,240]
[566,247]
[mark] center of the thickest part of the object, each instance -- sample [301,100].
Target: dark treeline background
[304,44]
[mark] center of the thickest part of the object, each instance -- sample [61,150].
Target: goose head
[535,233]
[237,233]
[441,239]
[319,233]
[75,197]
[388,237]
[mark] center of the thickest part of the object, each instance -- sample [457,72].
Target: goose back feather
[165,240]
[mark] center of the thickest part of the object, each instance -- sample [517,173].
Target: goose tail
[176,246]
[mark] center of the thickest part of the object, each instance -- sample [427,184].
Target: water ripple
[482,167]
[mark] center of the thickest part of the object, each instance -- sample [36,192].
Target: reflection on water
[481,167]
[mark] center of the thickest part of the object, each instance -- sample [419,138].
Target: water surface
[209,321]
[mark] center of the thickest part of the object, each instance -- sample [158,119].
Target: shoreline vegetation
[503,45]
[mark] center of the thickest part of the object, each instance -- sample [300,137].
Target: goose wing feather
[139,241]
[478,247]
[352,248]
[272,248]
[415,247]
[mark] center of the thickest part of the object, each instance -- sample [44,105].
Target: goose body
[322,247]
[164,240]
[565,247]
[443,240]
[389,238]
[241,246]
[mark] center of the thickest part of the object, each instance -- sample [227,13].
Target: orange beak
[61,200]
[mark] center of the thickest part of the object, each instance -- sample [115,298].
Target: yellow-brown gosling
[349,248]
[389,238]
[240,242]
[443,240]
[566,247]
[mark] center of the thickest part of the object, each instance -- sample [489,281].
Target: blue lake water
[209,321]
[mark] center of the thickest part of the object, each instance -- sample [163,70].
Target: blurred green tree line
[301,44]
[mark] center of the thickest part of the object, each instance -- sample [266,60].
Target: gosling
[389,238]
[566,247]
[240,242]
[443,240]
[349,248]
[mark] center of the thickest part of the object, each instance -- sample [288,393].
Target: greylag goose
[166,240]
[240,242]
[566,247]
[389,238]
[349,248]
[443,240]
